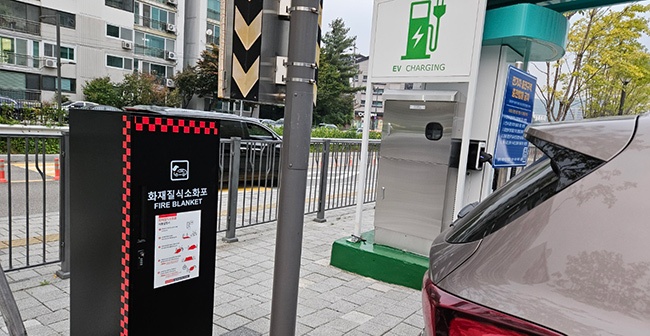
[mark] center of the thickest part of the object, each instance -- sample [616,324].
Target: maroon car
[561,249]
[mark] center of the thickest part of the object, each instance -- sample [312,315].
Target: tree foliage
[135,89]
[603,59]
[208,74]
[102,91]
[335,100]
[141,89]
[187,85]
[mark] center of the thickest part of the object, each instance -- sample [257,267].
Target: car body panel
[587,137]
[578,263]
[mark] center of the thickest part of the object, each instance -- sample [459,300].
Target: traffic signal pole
[301,68]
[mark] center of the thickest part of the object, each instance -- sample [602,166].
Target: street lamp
[625,82]
[57,19]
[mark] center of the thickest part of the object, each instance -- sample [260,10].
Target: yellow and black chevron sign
[246,49]
[320,31]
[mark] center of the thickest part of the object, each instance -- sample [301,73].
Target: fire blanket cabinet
[143,196]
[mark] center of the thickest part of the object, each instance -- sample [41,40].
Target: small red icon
[178,250]
[186,236]
[192,247]
[189,258]
[192,268]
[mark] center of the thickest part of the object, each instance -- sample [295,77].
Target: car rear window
[230,128]
[537,183]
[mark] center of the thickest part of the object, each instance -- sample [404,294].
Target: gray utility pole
[301,69]
[58,62]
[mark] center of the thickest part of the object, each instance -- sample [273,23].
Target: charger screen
[420,11]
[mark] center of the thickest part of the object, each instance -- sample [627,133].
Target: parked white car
[77,105]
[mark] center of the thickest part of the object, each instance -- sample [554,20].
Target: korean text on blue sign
[517,113]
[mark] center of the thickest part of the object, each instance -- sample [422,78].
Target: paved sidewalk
[331,301]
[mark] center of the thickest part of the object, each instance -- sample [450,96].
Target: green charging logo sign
[422,39]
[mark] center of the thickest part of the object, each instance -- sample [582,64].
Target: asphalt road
[27,189]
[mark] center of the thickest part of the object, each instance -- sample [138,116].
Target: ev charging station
[456,49]
[143,222]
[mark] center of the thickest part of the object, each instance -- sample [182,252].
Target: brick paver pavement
[331,301]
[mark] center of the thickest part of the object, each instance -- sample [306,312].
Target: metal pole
[9,308]
[320,217]
[233,183]
[58,63]
[301,66]
[64,209]
[363,164]
[623,94]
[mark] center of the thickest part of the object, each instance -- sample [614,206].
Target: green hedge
[328,133]
[18,145]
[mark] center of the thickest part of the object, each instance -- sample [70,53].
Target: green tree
[141,89]
[208,74]
[102,91]
[603,58]
[187,85]
[335,100]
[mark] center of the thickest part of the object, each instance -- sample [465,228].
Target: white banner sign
[425,41]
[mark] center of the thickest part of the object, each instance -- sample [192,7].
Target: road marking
[49,167]
[4,244]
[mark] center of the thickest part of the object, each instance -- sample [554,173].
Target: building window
[67,84]
[365,78]
[376,103]
[119,32]
[213,35]
[214,10]
[153,17]
[126,5]
[16,51]
[20,17]
[157,70]
[66,53]
[66,20]
[363,103]
[152,45]
[119,62]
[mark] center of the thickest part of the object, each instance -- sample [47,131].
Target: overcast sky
[357,15]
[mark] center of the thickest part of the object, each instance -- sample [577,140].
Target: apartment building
[98,38]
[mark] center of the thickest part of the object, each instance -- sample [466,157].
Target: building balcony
[150,51]
[214,14]
[11,58]
[212,39]
[20,25]
[154,24]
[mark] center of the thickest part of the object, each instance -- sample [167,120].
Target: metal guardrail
[34,233]
[29,230]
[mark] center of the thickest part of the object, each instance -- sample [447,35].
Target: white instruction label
[177,247]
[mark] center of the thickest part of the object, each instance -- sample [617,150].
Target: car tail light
[448,315]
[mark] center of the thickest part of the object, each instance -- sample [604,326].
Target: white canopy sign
[425,41]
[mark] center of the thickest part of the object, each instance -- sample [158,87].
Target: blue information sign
[517,113]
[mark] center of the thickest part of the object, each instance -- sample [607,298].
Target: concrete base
[379,262]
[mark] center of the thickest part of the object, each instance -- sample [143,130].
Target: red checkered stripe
[158,124]
[126,225]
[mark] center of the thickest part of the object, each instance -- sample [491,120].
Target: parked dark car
[561,249]
[259,150]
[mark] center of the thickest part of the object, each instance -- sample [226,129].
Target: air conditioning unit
[171,56]
[170,28]
[170,83]
[127,45]
[172,2]
[50,63]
